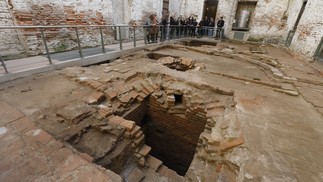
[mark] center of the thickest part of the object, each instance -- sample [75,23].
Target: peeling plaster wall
[186,8]
[268,18]
[140,10]
[310,29]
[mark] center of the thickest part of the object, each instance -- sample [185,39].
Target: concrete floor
[278,111]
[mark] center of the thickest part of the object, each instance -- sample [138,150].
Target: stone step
[173,176]
[144,150]
[139,141]
[136,175]
[138,134]
[134,131]
[162,170]
[153,162]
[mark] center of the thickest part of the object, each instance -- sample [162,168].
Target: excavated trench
[151,119]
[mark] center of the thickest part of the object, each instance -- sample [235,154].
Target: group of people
[182,27]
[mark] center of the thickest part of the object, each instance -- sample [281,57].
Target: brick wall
[173,137]
[56,12]
[137,113]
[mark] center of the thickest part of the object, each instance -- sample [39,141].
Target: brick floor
[28,153]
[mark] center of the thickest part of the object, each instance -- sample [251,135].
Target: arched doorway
[210,8]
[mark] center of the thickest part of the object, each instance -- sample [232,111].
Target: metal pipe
[3,65]
[102,41]
[78,42]
[46,47]
[134,37]
[120,37]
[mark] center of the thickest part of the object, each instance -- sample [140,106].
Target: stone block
[133,94]
[187,62]
[162,170]
[38,138]
[105,111]
[147,86]
[153,163]
[144,150]
[126,98]
[227,145]
[93,83]
[129,125]
[116,120]
[113,176]
[135,130]
[166,60]
[75,112]
[136,175]
[23,124]
[111,94]
[8,113]
[96,98]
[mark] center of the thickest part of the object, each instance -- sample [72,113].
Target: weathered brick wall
[61,12]
[173,138]
[310,28]
[137,113]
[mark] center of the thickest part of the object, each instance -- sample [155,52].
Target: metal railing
[47,40]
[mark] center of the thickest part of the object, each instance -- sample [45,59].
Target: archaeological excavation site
[193,110]
[161,91]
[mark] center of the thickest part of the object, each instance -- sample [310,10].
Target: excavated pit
[198,43]
[173,136]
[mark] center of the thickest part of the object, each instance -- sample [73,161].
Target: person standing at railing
[211,28]
[163,24]
[153,24]
[199,29]
[173,24]
[147,32]
[219,30]
[205,26]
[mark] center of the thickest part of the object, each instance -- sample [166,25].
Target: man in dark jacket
[219,30]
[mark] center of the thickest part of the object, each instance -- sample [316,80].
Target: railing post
[78,42]
[120,40]
[162,33]
[134,36]
[102,41]
[167,32]
[46,47]
[3,65]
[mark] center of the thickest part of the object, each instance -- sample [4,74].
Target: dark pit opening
[178,99]
[198,43]
[157,56]
[172,134]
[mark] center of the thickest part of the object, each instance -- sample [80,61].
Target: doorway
[210,8]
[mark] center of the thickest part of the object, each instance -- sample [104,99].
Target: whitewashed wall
[310,29]
[141,9]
